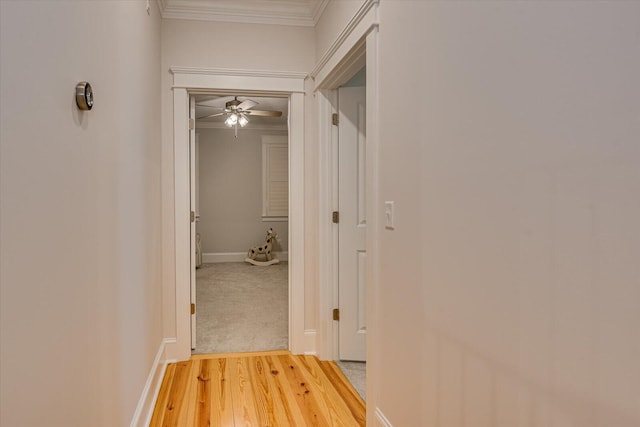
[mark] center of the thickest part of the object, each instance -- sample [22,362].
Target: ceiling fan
[236,112]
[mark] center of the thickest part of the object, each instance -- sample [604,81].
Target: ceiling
[212,104]
[284,12]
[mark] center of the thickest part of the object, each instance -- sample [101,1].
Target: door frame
[355,47]
[189,81]
[359,48]
[193,196]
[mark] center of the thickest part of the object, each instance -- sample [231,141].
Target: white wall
[257,47]
[334,19]
[510,289]
[80,222]
[230,192]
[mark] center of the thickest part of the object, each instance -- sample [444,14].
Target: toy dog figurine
[265,249]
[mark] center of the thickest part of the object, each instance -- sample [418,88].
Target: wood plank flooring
[257,389]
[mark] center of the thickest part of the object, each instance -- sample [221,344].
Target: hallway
[262,389]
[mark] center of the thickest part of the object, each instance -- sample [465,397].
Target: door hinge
[192,124]
[335,217]
[193,308]
[335,119]
[336,314]
[192,216]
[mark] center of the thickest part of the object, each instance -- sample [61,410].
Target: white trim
[358,26]
[381,420]
[317,13]
[221,257]
[353,62]
[181,348]
[373,215]
[146,404]
[195,80]
[296,225]
[328,231]
[275,218]
[310,342]
[272,82]
[238,72]
[295,13]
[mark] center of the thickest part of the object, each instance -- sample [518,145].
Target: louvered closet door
[275,170]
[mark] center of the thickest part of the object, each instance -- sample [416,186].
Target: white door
[352,223]
[192,198]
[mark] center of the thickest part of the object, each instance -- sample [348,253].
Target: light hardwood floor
[257,389]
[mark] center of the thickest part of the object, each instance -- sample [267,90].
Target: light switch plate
[389,220]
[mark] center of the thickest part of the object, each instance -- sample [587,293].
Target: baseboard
[218,257]
[146,404]
[309,344]
[381,420]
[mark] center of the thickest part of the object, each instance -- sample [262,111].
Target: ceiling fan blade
[210,115]
[215,101]
[264,113]
[208,108]
[245,105]
[205,100]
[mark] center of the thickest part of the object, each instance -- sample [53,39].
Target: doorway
[359,49]
[240,178]
[352,230]
[352,224]
[192,81]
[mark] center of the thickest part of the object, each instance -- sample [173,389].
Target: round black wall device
[84,96]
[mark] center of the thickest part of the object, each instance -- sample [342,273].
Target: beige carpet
[241,307]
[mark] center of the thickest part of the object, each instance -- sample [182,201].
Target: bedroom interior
[240,307]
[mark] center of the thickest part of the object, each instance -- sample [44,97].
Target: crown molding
[319,10]
[302,13]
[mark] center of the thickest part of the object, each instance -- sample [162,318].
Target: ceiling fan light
[231,120]
[242,120]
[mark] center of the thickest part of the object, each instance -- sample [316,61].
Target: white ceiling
[212,104]
[284,12]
